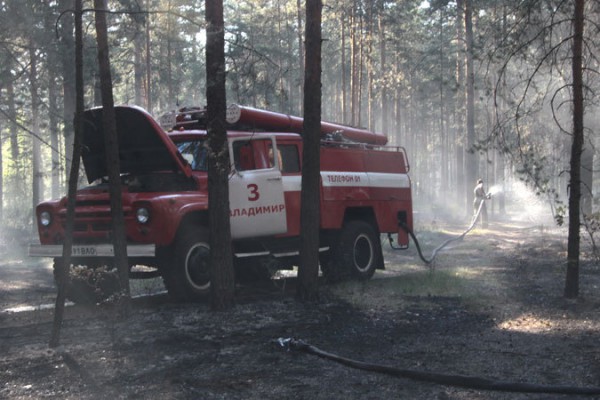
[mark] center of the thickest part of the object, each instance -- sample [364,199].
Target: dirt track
[491,307]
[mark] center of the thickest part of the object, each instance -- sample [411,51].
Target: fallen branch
[464,381]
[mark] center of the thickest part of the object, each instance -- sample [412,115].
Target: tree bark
[148,63]
[221,255]
[383,65]
[36,163]
[572,279]
[310,201]
[471,166]
[112,153]
[63,267]
[300,52]
[343,67]
[68,72]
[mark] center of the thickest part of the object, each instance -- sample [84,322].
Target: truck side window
[289,159]
[243,155]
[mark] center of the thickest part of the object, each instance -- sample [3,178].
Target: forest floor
[491,306]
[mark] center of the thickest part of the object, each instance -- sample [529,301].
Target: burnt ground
[491,306]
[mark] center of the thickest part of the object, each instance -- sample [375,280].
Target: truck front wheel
[354,254]
[189,277]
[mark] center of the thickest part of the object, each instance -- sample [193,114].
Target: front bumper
[91,250]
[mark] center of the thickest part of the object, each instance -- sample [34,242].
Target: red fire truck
[365,191]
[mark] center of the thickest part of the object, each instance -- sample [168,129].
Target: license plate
[84,251]
[90,250]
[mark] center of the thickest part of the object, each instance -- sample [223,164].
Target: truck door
[257,206]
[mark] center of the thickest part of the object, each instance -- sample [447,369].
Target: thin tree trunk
[572,279]
[343,67]
[221,254]
[311,164]
[459,107]
[36,164]
[383,66]
[68,72]
[53,96]
[64,264]
[112,153]
[138,64]
[148,63]
[54,141]
[443,132]
[472,165]
[300,53]
[354,72]
[370,72]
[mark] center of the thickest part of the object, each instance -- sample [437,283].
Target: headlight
[143,215]
[45,218]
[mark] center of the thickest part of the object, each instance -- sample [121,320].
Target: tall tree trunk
[443,132]
[472,165]
[138,64]
[384,90]
[148,63]
[370,69]
[359,90]
[343,67]
[459,107]
[112,153]
[354,65]
[36,164]
[53,127]
[572,279]
[53,71]
[68,73]
[300,53]
[311,164]
[171,92]
[221,254]
[64,265]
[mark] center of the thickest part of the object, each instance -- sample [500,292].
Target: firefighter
[479,200]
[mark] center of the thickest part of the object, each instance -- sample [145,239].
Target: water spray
[494,190]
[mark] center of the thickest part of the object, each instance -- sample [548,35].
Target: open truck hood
[143,145]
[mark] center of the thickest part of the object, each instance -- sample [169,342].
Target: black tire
[188,278]
[355,253]
[87,285]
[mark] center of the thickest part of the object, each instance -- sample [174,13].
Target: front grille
[93,217]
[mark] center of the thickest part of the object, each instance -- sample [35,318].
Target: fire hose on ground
[464,381]
[440,247]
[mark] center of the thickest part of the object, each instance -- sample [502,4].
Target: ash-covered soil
[491,306]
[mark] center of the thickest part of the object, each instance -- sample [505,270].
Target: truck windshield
[195,153]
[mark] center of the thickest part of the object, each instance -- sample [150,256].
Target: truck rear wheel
[189,277]
[89,284]
[354,254]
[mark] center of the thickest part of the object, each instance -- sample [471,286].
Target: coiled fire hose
[464,381]
[440,247]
